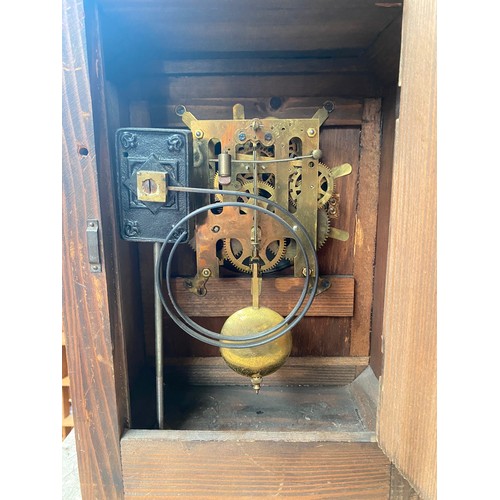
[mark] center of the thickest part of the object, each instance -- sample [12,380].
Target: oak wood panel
[190,27]
[407,418]
[256,66]
[366,225]
[365,390]
[86,320]
[384,205]
[227,295]
[383,55]
[400,487]
[251,465]
[341,145]
[296,371]
[347,112]
[275,409]
[121,257]
[177,89]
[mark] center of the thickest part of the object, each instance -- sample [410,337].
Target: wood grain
[275,409]
[407,417]
[347,112]
[400,488]
[279,294]
[258,66]
[384,206]
[296,371]
[125,316]
[383,54]
[189,27]
[86,320]
[366,226]
[178,89]
[251,466]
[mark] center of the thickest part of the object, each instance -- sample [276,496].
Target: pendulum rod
[158,344]
[255,238]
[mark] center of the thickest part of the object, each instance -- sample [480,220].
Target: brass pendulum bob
[256,362]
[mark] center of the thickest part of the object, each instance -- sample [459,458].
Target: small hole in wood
[275,102]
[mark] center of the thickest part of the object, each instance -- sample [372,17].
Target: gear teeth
[261,186]
[192,243]
[325,174]
[323,229]
[269,264]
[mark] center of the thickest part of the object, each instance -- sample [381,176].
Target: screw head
[311,132]
[198,134]
[216,229]
[206,272]
[268,136]
[180,110]
[242,136]
[329,106]
[95,268]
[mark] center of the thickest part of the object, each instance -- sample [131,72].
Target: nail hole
[275,102]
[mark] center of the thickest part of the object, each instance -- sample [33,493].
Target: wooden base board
[296,371]
[279,409]
[214,465]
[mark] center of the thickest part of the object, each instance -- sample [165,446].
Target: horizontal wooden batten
[296,371]
[347,112]
[178,89]
[257,66]
[227,295]
[164,464]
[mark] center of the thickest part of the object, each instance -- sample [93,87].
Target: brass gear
[323,231]
[263,189]
[269,256]
[326,185]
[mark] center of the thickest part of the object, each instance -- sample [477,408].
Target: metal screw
[328,105]
[206,272]
[180,110]
[198,134]
[304,271]
[216,229]
[91,224]
[311,132]
[242,136]
[295,228]
[311,164]
[247,167]
[95,268]
[268,136]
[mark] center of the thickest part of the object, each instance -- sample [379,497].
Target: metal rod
[158,343]
[255,237]
[277,160]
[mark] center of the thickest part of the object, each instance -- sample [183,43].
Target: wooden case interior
[276,59]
